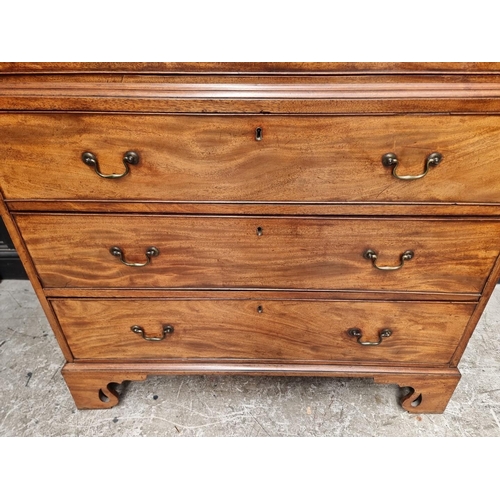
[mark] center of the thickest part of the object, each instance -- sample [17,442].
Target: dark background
[10,265]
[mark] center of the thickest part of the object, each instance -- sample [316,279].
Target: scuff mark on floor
[495,417]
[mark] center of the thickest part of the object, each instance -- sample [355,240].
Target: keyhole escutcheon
[259,134]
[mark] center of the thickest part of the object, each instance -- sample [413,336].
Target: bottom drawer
[420,332]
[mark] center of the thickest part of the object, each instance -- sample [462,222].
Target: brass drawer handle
[166,330]
[129,158]
[391,160]
[150,252]
[356,332]
[371,255]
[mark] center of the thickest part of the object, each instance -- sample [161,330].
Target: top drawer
[218,158]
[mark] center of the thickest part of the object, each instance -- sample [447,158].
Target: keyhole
[259,231]
[258,134]
[260,309]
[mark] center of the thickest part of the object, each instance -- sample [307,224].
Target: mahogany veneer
[272,234]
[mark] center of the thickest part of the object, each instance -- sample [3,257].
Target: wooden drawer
[327,253]
[212,158]
[272,329]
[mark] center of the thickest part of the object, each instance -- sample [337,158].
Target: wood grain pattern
[315,185]
[429,393]
[86,380]
[459,80]
[284,330]
[97,389]
[244,90]
[245,294]
[387,88]
[31,273]
[289,209]
[43,100]
[292,253]
[276,95]
[250,67]
[300,159]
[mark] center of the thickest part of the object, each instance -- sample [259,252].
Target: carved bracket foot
[96,389]
[93,386]
[429,393]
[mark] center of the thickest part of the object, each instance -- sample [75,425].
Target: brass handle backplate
[166,330]
[150,252]
[391,160]
[371,255]
[129,158]
[356,332]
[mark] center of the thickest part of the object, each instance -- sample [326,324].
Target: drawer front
[210,158]
[273,329]
[255,252]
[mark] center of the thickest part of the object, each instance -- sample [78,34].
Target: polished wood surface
[270,329]
[250,67]
[256,294]
[291,253]
[203,159]
[243,208]
[429,393]
[20,246]
[270,94]
[94,385]
[315,186]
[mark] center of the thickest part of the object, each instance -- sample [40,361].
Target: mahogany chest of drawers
[256,218]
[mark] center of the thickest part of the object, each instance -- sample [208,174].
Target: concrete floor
[34,400]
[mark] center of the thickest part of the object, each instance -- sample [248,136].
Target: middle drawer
[306,253]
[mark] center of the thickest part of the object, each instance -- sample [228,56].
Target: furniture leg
[430,393]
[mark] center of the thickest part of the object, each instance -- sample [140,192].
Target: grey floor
[34,400]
